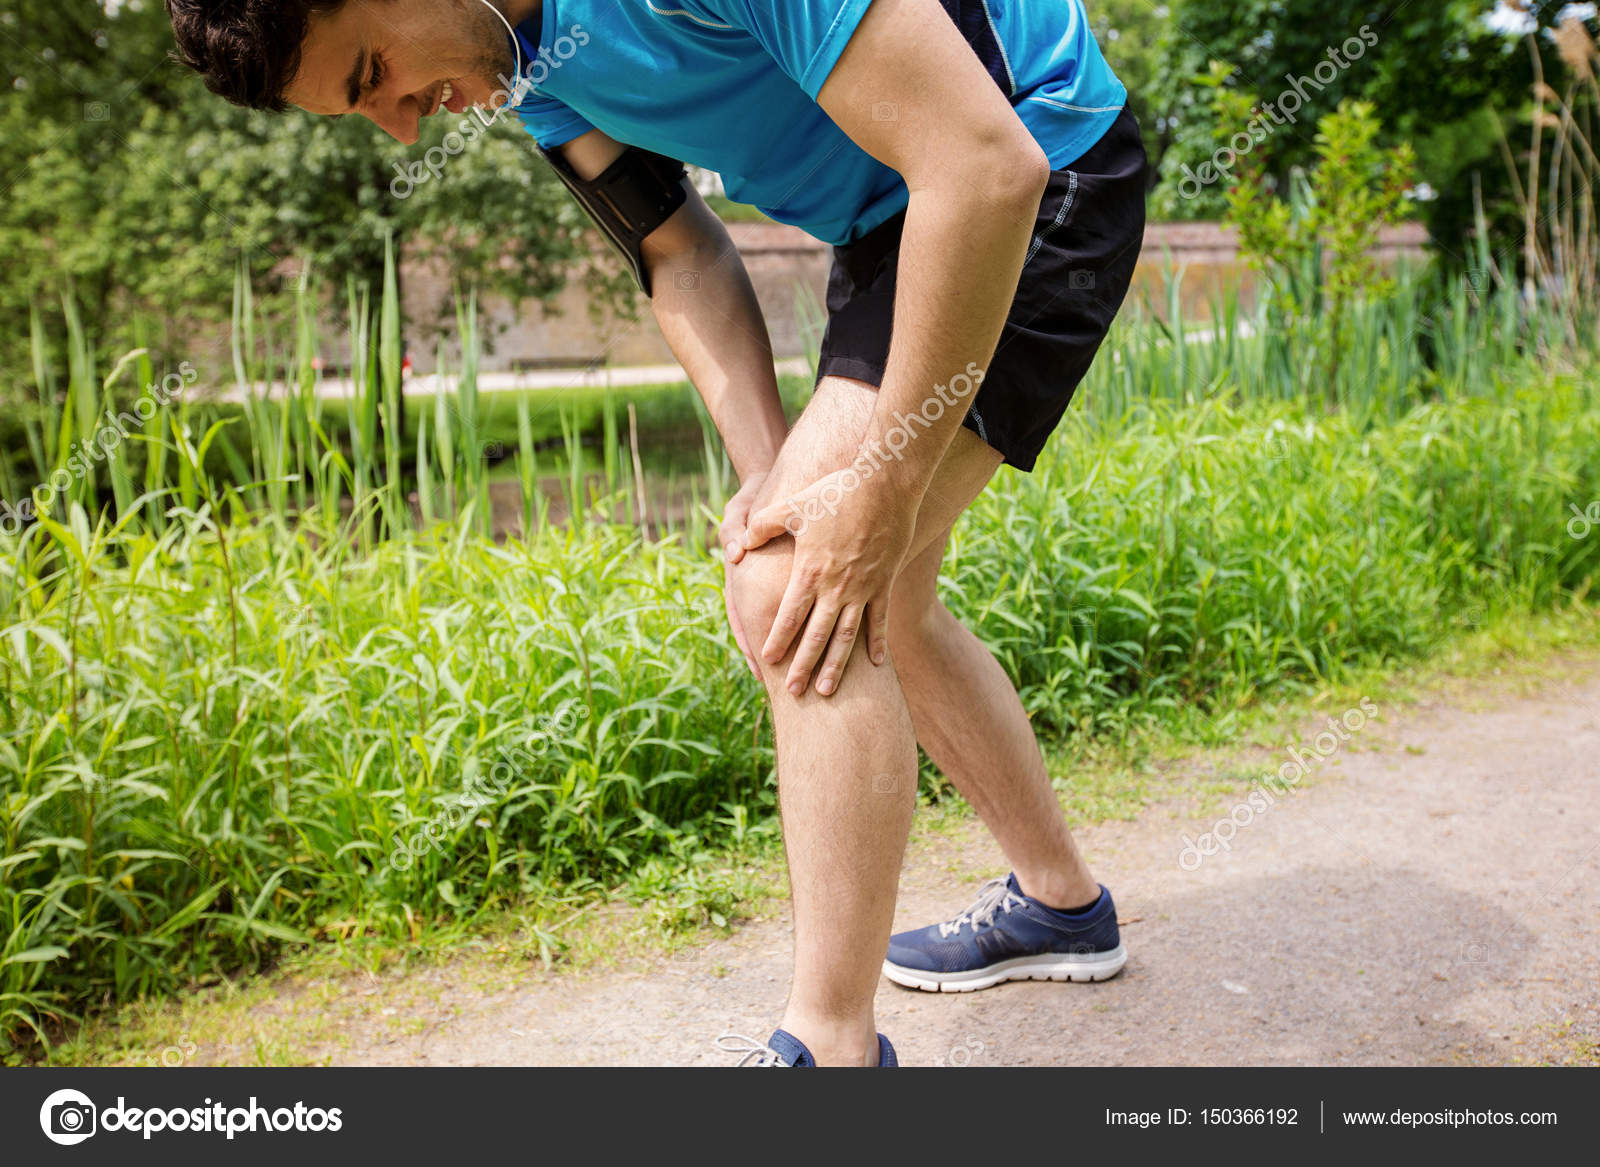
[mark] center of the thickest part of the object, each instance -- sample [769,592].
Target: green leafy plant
[1315,246]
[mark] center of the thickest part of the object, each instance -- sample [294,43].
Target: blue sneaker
[786,1050]
[1008,936]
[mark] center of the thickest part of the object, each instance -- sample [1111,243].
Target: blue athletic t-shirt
[731,85]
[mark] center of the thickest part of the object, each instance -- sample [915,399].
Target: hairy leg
[847,763]
[972,724]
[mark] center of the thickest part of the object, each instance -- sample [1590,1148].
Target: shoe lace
[756,1053]
[994,896]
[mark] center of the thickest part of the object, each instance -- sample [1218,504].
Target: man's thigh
[827,437]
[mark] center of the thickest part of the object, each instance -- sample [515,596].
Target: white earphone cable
[516,43]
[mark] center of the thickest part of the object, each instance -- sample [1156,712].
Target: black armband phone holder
[627,200]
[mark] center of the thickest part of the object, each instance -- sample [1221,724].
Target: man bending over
[982,184]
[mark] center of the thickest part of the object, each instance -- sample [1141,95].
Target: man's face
[398,61]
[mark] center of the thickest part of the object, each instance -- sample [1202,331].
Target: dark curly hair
[246,50]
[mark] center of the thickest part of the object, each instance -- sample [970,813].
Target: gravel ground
[1430,901]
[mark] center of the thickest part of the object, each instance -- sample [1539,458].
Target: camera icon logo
[885,111]
[1080,280]
[687,281]
[96,111]
[67,1117]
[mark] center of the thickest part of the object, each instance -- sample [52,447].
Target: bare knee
[756,585]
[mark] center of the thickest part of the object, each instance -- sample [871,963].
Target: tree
[1434,74]
[1315,247]
[1131,34]
[132,187]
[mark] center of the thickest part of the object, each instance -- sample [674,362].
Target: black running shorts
[1086,241]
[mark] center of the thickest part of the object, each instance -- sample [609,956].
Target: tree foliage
[1432,75]
[1131,34]
[1315,247]
[130,185]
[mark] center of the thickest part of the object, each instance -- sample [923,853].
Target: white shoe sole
[1100,966]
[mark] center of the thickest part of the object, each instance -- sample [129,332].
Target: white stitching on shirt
[688,15]
[1076,108]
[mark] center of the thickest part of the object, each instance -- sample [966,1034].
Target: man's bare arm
[708,312]
[975,177]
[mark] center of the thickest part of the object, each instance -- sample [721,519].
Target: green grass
[216,738]
[270,706]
